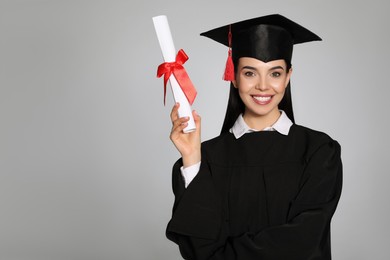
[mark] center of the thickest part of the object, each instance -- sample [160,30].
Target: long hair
[235,107]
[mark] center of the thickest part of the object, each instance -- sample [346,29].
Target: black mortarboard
[265,38]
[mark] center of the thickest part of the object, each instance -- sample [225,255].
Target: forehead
[247,61]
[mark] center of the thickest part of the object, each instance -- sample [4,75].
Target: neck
[259,122]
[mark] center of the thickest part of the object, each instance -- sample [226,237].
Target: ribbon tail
[166,78]
[186,84]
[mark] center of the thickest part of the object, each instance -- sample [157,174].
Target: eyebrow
[249,68]
[277,67]
[253,68]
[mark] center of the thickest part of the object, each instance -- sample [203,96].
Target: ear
[288,76]
[234,82]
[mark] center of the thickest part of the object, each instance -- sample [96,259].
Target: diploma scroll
[169,53]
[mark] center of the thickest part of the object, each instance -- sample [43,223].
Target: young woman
[265,188]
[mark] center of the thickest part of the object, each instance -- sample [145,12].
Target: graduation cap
[265,38]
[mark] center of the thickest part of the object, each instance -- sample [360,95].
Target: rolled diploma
[169,53]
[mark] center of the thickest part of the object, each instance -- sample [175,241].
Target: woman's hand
[188,144]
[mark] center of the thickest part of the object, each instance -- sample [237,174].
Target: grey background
[85,157]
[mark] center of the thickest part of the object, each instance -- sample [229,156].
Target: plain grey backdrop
[85,158]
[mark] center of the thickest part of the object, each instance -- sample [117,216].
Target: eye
[276,74]
[249,73]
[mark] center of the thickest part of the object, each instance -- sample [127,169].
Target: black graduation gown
[264,196]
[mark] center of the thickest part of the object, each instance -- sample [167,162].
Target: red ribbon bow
[176,67]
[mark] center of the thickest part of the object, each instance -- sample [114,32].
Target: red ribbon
[176,67]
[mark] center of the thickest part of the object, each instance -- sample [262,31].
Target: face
[261,86]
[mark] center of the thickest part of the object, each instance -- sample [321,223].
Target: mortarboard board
[265,38]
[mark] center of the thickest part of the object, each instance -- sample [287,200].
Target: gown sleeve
[198,229]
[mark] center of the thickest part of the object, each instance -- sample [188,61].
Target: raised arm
[188,144]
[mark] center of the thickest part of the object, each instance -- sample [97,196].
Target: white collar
[282,125]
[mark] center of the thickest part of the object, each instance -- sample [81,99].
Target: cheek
[279,86]
[245,85]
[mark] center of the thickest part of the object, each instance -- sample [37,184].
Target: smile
[262,100]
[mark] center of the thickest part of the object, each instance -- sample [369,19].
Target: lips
[262,99]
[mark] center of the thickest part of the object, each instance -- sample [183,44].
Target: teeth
[262,99]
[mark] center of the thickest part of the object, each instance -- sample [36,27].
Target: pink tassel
[229,68]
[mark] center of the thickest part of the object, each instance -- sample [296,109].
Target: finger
[180,121]
[197,119]
[174,112]
[178,130]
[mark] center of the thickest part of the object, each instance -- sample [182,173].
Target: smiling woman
[265,188]
[261,86]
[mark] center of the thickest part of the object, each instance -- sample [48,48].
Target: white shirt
[282,125]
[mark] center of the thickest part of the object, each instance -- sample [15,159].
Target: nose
[262,84]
